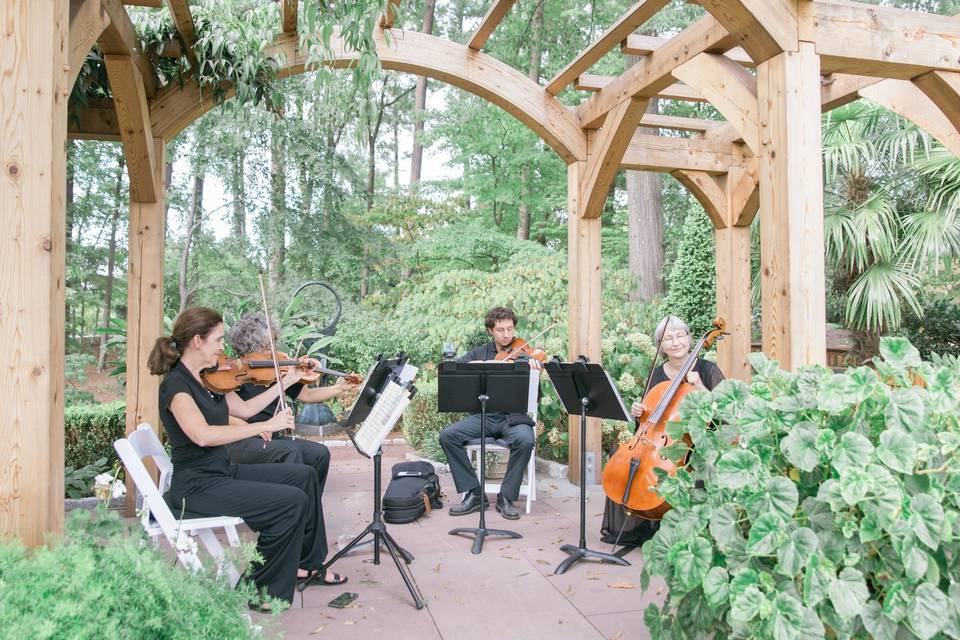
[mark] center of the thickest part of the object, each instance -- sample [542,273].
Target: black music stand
[479,387]
[585,388]
[382,372]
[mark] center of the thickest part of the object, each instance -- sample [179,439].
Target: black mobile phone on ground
[343,600]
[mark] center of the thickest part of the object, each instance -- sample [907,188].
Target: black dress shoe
[471,503]
[506,508]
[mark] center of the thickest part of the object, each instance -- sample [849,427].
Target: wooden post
[145,303]
[33,136]
[584,312]
[732,249]
[791,208]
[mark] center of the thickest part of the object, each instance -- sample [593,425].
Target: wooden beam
[791,209]
[183,22]
[676,91]
[584,311]
[133,119]
[289,20]
[172,49]
[764,28]
[120,38]
[630,21]
[909,101]
[838,89]
[678,123]
[667,154]
[88,19]
[145,235]
[640,45]
[155,4]
[605,153]
[708,192]
[868,40]
[33,134]
[95,120]
[732,250]
[742,185]
[729,88]
[389,16]
[943,88]
[495,15]
[655,72]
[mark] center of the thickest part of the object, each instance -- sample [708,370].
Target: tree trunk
[238,191]
[533,72]
[68,241]
[420,102]
[193,221]
[276,225]
[329,153]
[111,260]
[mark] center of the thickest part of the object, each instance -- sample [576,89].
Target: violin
[628,477]
[519,347]
[258,368]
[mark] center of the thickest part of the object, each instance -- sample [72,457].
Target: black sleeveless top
[710,374]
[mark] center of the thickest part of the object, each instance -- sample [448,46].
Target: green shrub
[75,371]
[422,423]
[835,514]
[692,282]
[89,432]
[98,582]
[938,331]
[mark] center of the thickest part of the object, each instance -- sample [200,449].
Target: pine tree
[692,283]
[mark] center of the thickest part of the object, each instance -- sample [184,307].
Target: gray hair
[668,321]
[249,334]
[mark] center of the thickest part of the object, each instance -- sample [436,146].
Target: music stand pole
[481,532]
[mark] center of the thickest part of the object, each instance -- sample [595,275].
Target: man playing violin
[516,429]
[249,335]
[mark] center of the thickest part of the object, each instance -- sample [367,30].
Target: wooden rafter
[95,120]
[88,19]
[604,155]
[640,45]
[666,154]
[763,27]
[389,16]
[133,120]
[838,89]
[709,192]
[908,100]
[183,22]
[943,88]
[743,192]
[154,4]
[120,38]
[495,15]
[876,41]
[678,123]
[289,20]
[676,91]
[729,88]
[628,22]
[655,72]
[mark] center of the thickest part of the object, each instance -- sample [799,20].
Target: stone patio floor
[508,591]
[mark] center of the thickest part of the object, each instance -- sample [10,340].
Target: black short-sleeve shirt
[248,391]
[710,374]
[186,454]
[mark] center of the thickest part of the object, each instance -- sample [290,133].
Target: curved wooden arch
[417,53]
[907,100]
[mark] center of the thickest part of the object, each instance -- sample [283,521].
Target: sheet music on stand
[385,412]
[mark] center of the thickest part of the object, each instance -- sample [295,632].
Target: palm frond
[940,178]
[876,298]
[931,235]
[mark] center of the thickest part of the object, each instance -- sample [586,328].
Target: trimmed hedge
[89,432]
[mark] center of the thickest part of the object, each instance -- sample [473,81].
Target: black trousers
[282,449]
[520,437]
[279,501]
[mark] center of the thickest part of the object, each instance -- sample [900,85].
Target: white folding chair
[529,487]
[142,443]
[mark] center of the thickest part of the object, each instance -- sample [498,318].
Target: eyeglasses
[676,337]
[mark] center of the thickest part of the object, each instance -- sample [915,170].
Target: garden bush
[422,422]
[835,513]
[938,330]
[99,582]
[691,283]
[89,432]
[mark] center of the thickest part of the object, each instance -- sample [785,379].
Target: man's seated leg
[453,439]
[255,451]
[520,437]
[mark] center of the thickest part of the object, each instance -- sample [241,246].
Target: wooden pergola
[768,66]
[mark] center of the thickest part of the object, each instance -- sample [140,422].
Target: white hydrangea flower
[623,358]
[626,381]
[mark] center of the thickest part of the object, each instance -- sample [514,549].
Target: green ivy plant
[829,505]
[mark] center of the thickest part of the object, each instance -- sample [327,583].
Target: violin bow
[282,406]
[529,342]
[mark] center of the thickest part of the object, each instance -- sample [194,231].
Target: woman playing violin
[280,501]
[248,335]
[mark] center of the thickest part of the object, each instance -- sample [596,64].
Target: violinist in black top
[280,501]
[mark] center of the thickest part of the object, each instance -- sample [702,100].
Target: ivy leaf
[848,593]
[897,450]
[816,580]
[729,397]
[863,382]
[737,469]
[905,411]
[927,519]
[915,564]
[878,625]
[724,526]
[763,535]
[693,561]
[742,579]
[716,587]
[799,447]
[753,423]
[746,606]
[834,395]
[952,625]
[812,625]
[793,554]
[818,513]
[899,352]
[787,619]
[853,450]
[926,612]
[888,496]
[763,367]
[944,392]
[830,492]
[783,497]
[855,484]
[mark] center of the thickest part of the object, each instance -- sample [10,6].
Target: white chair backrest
[142,443]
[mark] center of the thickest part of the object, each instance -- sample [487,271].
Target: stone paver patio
[508,591]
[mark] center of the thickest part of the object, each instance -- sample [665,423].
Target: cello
[628,477]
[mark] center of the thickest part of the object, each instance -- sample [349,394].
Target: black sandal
[318,577]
